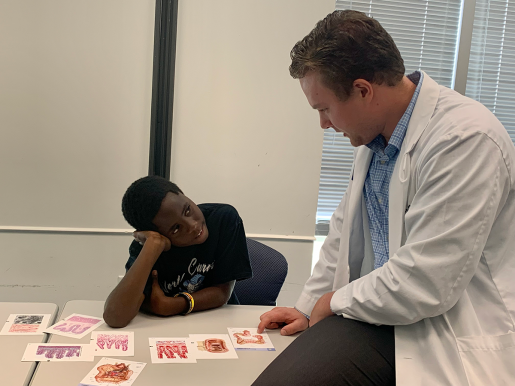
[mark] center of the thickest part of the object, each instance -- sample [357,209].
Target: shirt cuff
[307,316]
[305,303]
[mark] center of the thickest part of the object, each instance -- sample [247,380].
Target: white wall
[75,95]
[74,107]
[243,132]
[75,98]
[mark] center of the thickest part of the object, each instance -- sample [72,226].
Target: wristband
[189,299]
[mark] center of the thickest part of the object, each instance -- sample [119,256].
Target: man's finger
[292,328]
[261,327]
[270,326]
[266,320]
[271,319]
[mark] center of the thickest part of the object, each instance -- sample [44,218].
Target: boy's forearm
[212,297]
[205,299]
[124,302]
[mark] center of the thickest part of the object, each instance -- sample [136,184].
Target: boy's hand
[150,236]
[163,305]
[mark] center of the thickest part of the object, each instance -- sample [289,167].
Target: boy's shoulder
[219,212]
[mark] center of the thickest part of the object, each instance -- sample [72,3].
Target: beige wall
[75,91]
[75,98]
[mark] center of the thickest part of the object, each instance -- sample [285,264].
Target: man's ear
[364,88]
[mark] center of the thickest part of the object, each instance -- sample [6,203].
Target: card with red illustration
[25,324]
[171,350]
[212,346]
[109,371]
[248,339]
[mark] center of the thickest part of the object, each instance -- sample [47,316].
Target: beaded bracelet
[189,299]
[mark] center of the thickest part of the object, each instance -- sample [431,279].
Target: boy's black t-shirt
[223,257]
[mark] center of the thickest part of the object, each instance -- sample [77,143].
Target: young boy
[184,257]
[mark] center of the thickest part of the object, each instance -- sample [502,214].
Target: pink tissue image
[107,340]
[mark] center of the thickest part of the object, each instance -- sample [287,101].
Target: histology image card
[25,324]
[171,350]
[249,339]
[113,343]
[58,352]
[212,346]
[109,371]
[75,326]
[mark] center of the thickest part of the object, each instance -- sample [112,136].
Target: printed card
[58,352]
[25,324]
[118,344]
[212,346]
[110,371]
[249,339]
[171,350]
[75,326]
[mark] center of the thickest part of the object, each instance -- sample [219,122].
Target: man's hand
[160,304]
[322,309]
[143,236]
[292,320]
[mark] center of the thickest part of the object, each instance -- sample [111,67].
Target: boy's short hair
[142,201]
[345,46]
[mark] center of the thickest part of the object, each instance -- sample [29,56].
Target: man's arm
[462,183]
[293,320]
[125,300]
[322,278]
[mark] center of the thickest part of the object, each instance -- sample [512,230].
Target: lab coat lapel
[399,184]
[355,208]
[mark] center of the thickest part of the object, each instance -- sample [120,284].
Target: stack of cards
[208,346]
[120,343]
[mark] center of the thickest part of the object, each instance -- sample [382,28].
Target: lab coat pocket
[488,360]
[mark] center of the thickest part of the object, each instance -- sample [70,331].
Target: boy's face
[181,221]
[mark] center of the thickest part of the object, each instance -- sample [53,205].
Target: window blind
[426,34]
[491,74]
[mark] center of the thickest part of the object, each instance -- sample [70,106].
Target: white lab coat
[449,285]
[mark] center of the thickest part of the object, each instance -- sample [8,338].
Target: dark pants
[335,351]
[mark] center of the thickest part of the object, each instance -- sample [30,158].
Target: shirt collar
[378,145]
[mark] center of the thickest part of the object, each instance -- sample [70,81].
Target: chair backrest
[269,269]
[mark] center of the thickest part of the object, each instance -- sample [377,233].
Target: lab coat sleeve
[462,183]
[321,281]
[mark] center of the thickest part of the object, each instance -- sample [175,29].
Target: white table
[14,371]
[227,372]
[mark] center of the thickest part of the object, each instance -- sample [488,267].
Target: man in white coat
[415,284]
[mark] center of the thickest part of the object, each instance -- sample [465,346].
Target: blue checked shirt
[377,182]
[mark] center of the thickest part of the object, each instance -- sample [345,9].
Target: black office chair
[269,269]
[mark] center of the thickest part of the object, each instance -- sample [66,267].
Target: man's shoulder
[458,116]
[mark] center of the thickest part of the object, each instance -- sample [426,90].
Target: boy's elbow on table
[115,322]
